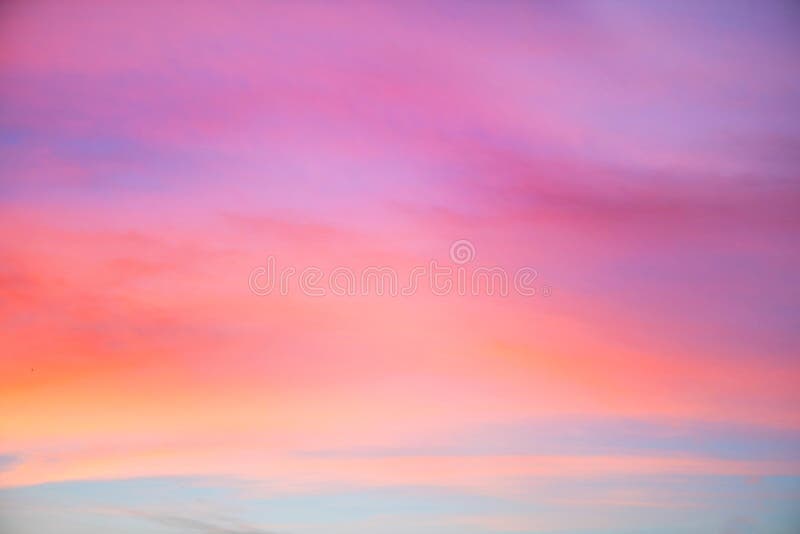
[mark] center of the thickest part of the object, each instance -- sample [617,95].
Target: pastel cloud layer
[642,157]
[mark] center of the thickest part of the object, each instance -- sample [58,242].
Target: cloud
[8,461]
[187,524]
[739,525]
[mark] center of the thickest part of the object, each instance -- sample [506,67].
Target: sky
[191,194]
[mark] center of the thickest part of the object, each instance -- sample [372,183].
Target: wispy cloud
[204,526]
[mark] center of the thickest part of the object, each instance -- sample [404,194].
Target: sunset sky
[641,159]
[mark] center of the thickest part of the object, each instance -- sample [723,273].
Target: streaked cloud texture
[641,156]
